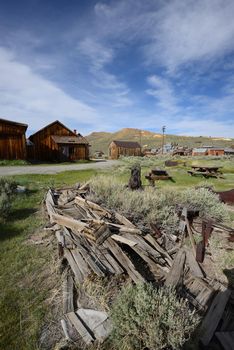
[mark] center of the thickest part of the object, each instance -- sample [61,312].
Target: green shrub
[6,162]
[155,205]
[144,317]
[206,202]
[7,188]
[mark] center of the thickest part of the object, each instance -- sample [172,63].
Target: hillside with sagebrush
[100,140]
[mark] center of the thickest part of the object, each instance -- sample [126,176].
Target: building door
[64,153]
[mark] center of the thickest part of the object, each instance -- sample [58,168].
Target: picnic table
[206,171]
[157,174]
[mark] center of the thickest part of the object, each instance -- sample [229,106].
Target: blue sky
[105,65]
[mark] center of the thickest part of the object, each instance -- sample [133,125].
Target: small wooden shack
[124,148]
[215,151]
[56,142]
[12,140]
[208,151]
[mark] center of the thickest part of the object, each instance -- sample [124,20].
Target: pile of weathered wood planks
[94,240]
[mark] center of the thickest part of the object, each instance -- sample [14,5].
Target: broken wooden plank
[68,285]
[92,205]
[193,264]
[226,339]
[73,265]
[156,269]
[96,321]
[94,263]
[123,260]
[69,222]
[123,228]
[192,240]
[101,238]
[157,246]
[124,240]
[113,262]
[85,186]
[60,238]
[176,272]
[204,297]
[65,329]
[213,316]
[123,220]
[49,201]
[81,263]
[97,252]
[100,232]
[154,254]
[81,329]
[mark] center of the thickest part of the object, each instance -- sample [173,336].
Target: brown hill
[101,140]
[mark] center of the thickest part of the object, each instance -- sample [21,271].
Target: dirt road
[54,169]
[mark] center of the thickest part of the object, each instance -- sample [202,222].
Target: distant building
[124,148]
[229,151]
[55,142]
[199,151]
[168,148]
[12,140]
[215,151]
[181,151]
[208,151]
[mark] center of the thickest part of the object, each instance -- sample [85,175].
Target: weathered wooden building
[56,142]
[12,140]
[124,148]
[215,151]
[208,151]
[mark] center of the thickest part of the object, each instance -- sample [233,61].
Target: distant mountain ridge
[100,140]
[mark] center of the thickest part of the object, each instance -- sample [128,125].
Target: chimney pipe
[74,131]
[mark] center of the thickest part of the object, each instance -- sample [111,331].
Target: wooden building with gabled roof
[124,148]
[12,140]
[56,142]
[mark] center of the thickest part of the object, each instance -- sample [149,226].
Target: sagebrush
[148,318]
[156,205]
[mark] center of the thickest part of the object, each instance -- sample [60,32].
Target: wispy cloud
[122,63]
[171,33]
[27,97]
[162,91]
[111,89]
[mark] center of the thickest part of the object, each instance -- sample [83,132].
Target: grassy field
[28,272]
[181,179]
[25,162]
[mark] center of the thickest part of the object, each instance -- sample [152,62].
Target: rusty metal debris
[226,196]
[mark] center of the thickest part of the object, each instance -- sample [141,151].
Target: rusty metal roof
[127,144]
[69,140]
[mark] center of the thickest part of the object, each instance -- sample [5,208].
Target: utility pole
[163,132]
[140,132]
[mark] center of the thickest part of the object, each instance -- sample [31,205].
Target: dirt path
[54,169]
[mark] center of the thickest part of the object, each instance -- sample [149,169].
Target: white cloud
[170,33]
[163,92]
[188,31]
[204,115]
[26,97]
[109,88]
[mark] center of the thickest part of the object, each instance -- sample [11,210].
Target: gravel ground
[54,169]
